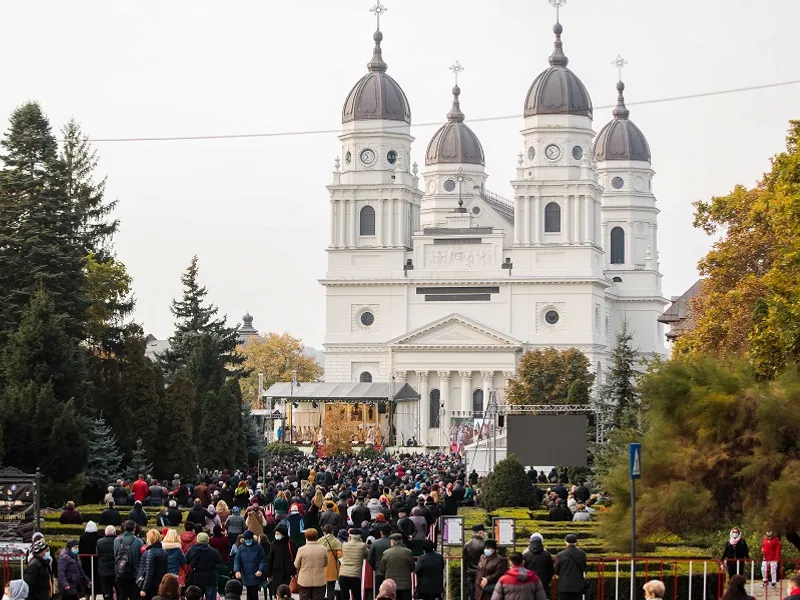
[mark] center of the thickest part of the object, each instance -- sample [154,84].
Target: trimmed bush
[502,487]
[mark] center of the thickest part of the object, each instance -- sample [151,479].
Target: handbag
[294,586]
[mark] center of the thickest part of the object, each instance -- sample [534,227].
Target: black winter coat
[203,560]
[280,561]
[39,578]
[87,544]
[570,567]
[110,516]
[198,514]
[473,550]
[430,574]
[331,518]
[105,556]
[174,516]
[538,560]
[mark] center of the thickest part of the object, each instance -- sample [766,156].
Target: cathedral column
[353,223]
[566,218]
[538,219]
[487,386]
[333,225]
[466,384]
[526,237]
[587,224]
[576,205]
[379,223]
[506,376]
[342,242]
[399,233]
[424,407]
[391,223]
[518,222]
[444,396]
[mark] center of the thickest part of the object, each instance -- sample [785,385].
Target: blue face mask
[74,551]
[249,542]
[488,551]
[47,556]
[278,536]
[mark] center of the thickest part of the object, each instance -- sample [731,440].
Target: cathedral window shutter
[367,221]
[552,218]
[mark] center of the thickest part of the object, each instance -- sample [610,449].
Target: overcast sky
[256,211]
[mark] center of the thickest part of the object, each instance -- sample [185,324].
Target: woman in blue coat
[248,565]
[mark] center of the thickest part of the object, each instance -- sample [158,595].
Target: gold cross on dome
[620,63]
[557,4]
[456,68]
[378,10]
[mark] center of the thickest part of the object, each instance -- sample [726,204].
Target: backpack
[123,562]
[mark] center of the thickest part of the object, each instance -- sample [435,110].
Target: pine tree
[176,446]
[193,320]
[502,486]
[38,226]
[45,394]
[254,442]
[105,459]
[230,406]
[140,463]
[213,435]
[619,394]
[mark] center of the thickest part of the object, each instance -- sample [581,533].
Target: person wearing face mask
[771,554]
[735,553]
[15,590]
[249,564]
[71,577]
[491,567]
[471,555]
[280,563]
[38,574]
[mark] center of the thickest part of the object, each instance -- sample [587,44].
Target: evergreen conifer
[176,446]
[140,463]
[105,459]
[619,394]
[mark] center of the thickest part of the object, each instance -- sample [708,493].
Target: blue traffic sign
[636,461]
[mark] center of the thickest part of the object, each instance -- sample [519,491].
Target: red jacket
[771,548]
[140,490]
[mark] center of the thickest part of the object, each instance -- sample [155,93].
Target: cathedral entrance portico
[454,363]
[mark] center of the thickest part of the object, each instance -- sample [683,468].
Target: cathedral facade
[435,281]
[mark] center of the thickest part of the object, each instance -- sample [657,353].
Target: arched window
[477,401]
[552,218]
[617,246]
[367,221]
[433,408]
[365,377]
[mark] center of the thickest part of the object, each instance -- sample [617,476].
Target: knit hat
[248,535]
[236,510]
[91,527]
[202,538]
[233,587]
[71,544]
[39,546]
[536,536]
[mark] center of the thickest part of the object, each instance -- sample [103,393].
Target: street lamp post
[294,383]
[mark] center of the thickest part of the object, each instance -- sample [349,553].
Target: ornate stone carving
[355,317]
[465,374]
[459,256]
[541,310]
[444,375]
[508,374]
[422,375]
[400,376]
[487,375]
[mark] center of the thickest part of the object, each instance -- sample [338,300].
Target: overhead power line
[234,136]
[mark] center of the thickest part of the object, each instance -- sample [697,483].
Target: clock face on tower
[552,152]
[367,156]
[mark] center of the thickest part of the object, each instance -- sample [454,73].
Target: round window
[577,153]
[367,318]
[551,317]
[531,153]
[476,210]
[449,185]
[348,157]
[617,183]
[391,157]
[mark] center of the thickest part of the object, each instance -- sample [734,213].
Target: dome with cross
[455,142]
[557,90]
[620,139]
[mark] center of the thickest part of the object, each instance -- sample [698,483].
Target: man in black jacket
[331,517]
[111,516]
[360,513]
[174,516]
[473,550]
[203,560]
[198,514]
[430,573]
[376,551]
[405,525]
[106,561]
[538,560]
[560,512]
[570,567]
[581,493]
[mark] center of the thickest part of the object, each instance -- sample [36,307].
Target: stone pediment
[455,331]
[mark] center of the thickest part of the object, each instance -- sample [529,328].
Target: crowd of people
[321,529]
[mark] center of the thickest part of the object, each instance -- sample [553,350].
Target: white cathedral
[441,284]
